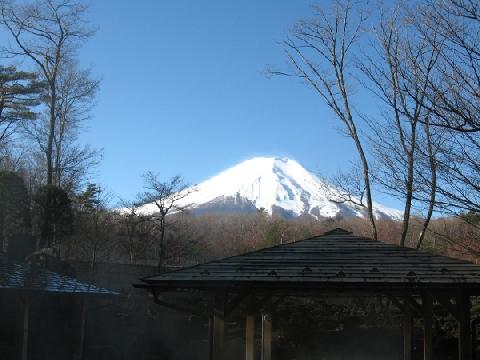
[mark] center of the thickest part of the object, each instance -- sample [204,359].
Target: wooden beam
[25,327]
[427,327]
[277,302]
[403,308]
[236,301]
[266,336]
[218,327]
[265,301]
[250,337]
[407,335]
[179,308]
[446,302]
[414,305]
[464,338]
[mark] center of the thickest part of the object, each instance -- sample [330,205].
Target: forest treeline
[417,139]
[192,239]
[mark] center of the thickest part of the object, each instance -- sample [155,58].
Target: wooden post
[266,336]
[83,322]
[474,338]
[427,327]
[210,337]
[218,328]
[250,337]
[25,327]
[464,338]
[407,334]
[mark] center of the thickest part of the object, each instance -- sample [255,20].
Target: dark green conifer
[20,92]
[15,226]
[54,215]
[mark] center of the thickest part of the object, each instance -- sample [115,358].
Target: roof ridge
[338,231]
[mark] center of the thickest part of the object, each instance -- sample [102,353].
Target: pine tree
[15,225]
[88,201]
[54,215]
[20,92]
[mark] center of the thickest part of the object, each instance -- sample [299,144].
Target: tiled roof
[28,277]
[335,260]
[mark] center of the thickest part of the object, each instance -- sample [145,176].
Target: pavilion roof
[22,276]
[335,260]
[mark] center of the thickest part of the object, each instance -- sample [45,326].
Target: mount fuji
[279,186]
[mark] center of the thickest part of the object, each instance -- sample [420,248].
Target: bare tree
[454,97]
[431,146]
[399,68]
[454,93]
[48,32]
[346,187]
[131,220]
[76,94]
[163,198]
[320,51]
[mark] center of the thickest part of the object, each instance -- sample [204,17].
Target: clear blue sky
[183,91]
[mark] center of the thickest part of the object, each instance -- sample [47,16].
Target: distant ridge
[279,186]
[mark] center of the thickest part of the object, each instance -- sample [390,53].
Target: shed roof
[27,277]
[335,260]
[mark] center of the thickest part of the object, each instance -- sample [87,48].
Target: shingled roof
[335,260]
[21,276]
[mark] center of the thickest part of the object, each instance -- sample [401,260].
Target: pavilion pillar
[217,332]
[407,334]
[250,337]
[25,327]
[266,336]
[474,338]
[427,327]
[79,347]
[464,337]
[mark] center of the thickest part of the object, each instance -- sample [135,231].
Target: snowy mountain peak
[280,186]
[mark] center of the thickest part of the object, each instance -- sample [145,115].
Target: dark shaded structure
[336,264]
[113,276]
[59,302]
[130,325]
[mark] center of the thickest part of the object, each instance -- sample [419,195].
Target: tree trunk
[51,133]
[162,245]
[433,185]
[407,209]
[366,180]
[409,185]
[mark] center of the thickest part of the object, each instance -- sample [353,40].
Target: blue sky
[183,91]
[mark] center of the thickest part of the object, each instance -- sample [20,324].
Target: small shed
[24,283]
[336,263]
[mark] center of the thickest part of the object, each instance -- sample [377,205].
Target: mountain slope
[278,185]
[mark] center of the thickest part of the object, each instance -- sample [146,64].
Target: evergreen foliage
[14,215]
[20,92]
[88,201]
[54,215]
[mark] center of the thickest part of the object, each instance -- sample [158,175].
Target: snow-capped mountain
[280,186]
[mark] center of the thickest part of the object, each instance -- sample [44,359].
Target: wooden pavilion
[334,264]
[24,285]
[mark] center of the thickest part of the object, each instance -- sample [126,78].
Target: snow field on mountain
[269,183]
